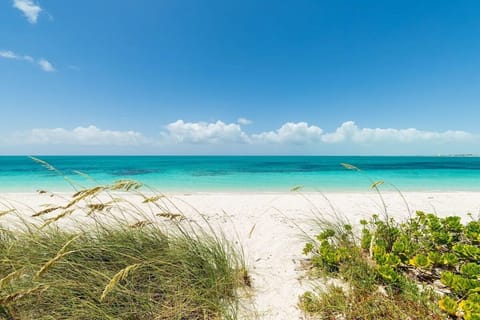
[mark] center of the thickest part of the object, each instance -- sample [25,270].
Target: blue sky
[307,77]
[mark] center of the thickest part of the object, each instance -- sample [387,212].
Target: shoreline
[271,227]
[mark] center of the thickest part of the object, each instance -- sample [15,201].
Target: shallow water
[245,173]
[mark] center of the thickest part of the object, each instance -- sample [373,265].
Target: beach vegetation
[116,259]
[427,266]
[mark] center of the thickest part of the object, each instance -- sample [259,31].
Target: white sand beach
[270,226]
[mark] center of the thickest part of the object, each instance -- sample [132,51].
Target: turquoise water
[245,173]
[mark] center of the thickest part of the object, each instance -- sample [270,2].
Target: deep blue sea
[245,173]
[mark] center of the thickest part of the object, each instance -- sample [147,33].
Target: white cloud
[295,133]
[350,132]
[30,9]
[218,137]
[244,121]
[88,136]
[204,132]
[7,54]
[46,65]
[302,133]
[28,58]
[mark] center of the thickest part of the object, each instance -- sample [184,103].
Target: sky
[239,77]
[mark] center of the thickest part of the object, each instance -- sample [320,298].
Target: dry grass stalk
[64,248]
[51,262]
[349,166]
[9,277]
[126,185]
[23,293]
[153,199]
[172,216]
[45,211]
[5,212]
[61,253]
[251,231]
[140,224]
[99,207]
[44,164]
[82,194]
[56,218]
[119,276]
[83,174]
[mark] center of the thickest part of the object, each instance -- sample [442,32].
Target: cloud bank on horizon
[219,137]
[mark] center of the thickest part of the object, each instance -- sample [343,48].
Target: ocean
[244,173]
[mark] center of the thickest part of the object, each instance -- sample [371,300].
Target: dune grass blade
[51,262]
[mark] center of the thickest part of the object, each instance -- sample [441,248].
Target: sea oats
[119,276]
[96,207]
[126,185]
[171,216]
[45,211]
[51,262]
[57,217]
[153,199]
[9,277]
[140,224]
[23,293]
[61,253]
[5,212]
[82,194]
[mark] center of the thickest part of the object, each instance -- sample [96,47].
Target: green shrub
[421,250]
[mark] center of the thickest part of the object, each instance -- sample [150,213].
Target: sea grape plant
[425,248]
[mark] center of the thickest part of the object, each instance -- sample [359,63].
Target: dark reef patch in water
[133,172]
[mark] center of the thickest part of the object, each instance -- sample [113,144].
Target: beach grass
[120,261]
